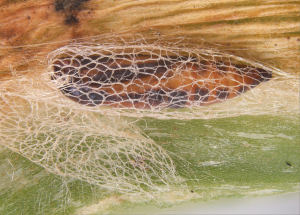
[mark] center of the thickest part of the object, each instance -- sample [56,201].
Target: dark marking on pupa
[201,94]
[222,93]
[156,97]
[178,99]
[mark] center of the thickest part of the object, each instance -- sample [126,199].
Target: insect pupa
[149,77]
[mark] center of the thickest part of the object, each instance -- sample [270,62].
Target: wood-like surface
[267,31]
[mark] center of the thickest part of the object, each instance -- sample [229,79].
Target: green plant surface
[216,158]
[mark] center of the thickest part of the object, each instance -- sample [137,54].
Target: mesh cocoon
[51,117]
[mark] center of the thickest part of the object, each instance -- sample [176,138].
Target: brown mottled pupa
[144,81]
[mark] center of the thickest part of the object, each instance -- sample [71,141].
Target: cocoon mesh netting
[79,143]
[140,79]
[67,116]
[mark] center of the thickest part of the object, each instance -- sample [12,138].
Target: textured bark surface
[264,30]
